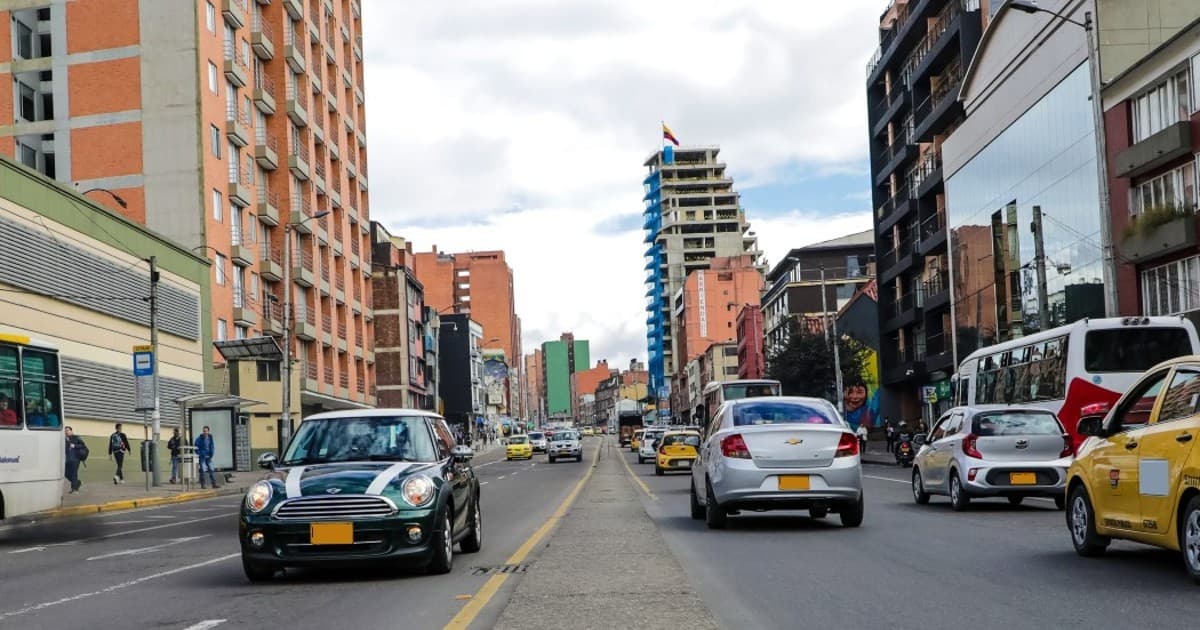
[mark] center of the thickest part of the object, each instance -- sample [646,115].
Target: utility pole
[1039,260]
[156,414]
[1109,265]
[837,359]
[285,365]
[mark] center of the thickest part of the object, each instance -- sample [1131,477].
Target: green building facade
[561,359]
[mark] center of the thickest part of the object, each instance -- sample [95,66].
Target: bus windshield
[1132,349]
[750,390]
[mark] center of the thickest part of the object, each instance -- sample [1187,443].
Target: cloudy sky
[522,125]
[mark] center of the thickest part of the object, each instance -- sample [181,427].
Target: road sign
[143,378]
[929,394]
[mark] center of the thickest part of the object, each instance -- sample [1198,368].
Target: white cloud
[521,124]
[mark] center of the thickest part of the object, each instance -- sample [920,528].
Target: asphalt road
[909,566]
[178,567]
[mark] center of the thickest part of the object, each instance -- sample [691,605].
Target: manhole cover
[504,568]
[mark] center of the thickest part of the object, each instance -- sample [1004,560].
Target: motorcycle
[905,450]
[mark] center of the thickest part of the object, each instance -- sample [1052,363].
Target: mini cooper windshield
[372,438]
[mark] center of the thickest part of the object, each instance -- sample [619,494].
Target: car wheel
[551,459]
[697,509]
[256,571]
[852,514]
[1081,520]
[474,540]
[1189,538]
[714,515]
[640,460]
[958,497]
[918,487]
[443,547]
[1015,500]
[579,458]
[658,471]
[508,458]
[1060,502]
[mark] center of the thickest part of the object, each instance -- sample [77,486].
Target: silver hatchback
[777,453]
[1012,452]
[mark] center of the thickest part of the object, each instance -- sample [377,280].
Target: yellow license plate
[793,482]
[331,533]
[1022,479]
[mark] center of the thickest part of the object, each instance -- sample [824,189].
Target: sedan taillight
[847,445]
[734,446]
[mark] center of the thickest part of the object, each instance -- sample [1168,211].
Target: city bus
[717,392]
[32,448]
[1091,361]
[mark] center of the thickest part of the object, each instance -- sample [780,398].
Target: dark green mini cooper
[366,486]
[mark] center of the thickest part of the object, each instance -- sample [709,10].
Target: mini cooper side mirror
[462,453]
[267,461]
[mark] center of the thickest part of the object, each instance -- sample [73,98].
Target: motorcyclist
[903,434]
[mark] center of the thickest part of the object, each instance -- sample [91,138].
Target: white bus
[32,446]
[717,392]
[1066,368]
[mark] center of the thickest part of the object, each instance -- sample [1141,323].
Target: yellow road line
[641,484]
[471,610]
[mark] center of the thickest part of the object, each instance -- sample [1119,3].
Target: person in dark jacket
[75,449]
[173,445]
[204,452]
[118,447]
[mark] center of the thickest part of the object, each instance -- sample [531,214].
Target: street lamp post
[285,369]
[1108,264]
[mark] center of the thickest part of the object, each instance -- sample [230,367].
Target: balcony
[262,38]
[1158,232]
[895,155]
[298,161]
[319,174]
[237,70]
[939,352]
[935,113]
[896,261]
[234,12]
[268,206]
[305,326]
[888,107]
[272,319]
[932,236]
[269,262]
[294,8]
[301,212]
[239,186]
[297,103]
[293,54]
[1164,147]
[893,209]
[243,252]
[302,267]
[904,365]
[245,315]
[937,291]
[237,125]
[905,311]
[266,150]
[938,45]
[264,93]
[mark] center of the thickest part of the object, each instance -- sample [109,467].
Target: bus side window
[42,393]
[10,394]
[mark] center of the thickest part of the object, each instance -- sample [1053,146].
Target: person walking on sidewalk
[204,452]
[862,438]
[118,446]
[77,452]
[173,447]
[891,434]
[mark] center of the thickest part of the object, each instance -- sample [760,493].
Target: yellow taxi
[1137,475]
[589,431]
[676,451]
[637,439]
[519,447]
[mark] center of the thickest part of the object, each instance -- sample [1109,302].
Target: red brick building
[751,362]
[479,283]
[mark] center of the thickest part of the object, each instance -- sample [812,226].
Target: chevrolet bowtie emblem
[793,442]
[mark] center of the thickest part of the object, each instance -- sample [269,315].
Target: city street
[178,567]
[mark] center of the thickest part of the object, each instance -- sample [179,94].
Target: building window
[1173,189]
[222,330]
[210,17]
[1172,288]
[24,37]
[214,141]
[218,211]
[268,371]
[240,332]
[212,77]
[1165,104]
[219,264]
[27,102]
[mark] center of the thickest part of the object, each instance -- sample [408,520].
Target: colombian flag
[667,135]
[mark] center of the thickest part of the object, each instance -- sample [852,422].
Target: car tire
[1081,522]
[551,459]
[658,471]
[714,515]
[1189,537]
[852,513]
[958,497]
[579,458]
[256,571]
[1015,500]
[697,509]
[918,488]
[508,458]
[443,547]
[474,540]
[640,460]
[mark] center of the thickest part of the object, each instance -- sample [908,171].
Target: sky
[522,125]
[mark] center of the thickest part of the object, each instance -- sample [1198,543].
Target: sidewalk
[606,567]
[877,453]
[108,497]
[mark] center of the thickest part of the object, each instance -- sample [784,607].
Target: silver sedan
[777,453]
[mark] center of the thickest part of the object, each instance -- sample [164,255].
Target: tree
[805,365]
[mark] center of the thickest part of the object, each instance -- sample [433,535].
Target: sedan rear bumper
[739,484]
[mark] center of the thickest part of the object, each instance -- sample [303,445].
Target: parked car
[777,453]
[1136,476]
[976,452]
[518,447]
[539,441]
[648,447]
[676,451]
[363,486]
[565,445]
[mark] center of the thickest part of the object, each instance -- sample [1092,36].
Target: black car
[382,486]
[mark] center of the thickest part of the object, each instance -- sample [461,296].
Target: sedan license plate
[793,482]
[331,533]
[684,463]
[1022,479]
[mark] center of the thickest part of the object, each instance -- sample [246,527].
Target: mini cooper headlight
[417,491]
[259,496]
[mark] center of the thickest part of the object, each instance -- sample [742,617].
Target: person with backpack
[77,453]
[118,446]
[204,452]
[173,445]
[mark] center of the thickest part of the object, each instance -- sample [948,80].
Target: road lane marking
[641,484]
[501,477]
[483,483]
[887,479]
[44,547]
[115,587]
[141,550]
[124,533]
[206,624]
[126,522]
[489,589]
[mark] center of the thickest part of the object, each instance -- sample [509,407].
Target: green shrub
[1154,216]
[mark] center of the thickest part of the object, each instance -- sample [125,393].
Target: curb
[131,504]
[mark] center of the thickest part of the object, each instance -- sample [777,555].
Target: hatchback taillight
[968,445]
[1068,448]
[734,446]
[847,446]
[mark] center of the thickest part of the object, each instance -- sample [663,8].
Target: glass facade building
[1046,158]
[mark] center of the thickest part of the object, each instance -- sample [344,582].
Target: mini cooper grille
[318,508]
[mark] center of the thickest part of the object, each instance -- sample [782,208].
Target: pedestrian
[118,446]
[862,437]
[173,445]
[204,452]
[891,433]
[77,453]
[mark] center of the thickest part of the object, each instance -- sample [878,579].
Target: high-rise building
[913,82]
[706,308]
[400,330]
[535,386]
[225,125]
[584,383]
[749,325]
[461,370]
[692,215]
[561,359]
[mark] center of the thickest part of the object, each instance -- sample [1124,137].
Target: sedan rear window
[758,413]
[536,436]
[681,439]
[1016,423]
